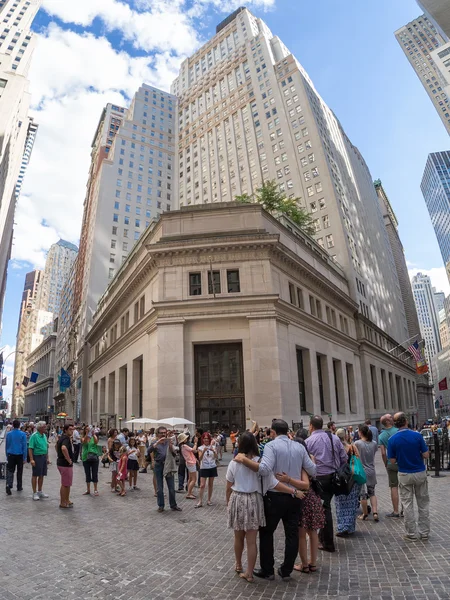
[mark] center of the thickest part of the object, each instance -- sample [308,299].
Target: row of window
[214,282]
[315,308]
[139,312]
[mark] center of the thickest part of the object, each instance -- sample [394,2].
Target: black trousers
[91,470]
[279,507]
[76,452]
[14,460]
[326,535]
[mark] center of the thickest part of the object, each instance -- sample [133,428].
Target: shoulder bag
[342,481]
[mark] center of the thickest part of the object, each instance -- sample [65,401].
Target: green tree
[276,203]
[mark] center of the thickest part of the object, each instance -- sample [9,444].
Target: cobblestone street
[111,547]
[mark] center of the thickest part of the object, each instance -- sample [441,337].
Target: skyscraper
[42,295]
[418,39]
[391,223]
[428,316]
[248,112]
[16,49]
[131,181]
[435,188]
[439,12]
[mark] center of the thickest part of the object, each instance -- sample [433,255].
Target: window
[214,280]
[336,364]
[113,243]
[233,282]
[320,378]
[301,380]
[330,241]
[318,309]
[326,222]
[142,307]
[110,273]
[312,305]
[292,294]
[195,284]
[300,298]
[373,377]
[136,312]
[114,230]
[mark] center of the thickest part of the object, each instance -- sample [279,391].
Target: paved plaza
[111,547]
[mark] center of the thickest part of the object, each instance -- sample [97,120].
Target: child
[114,455]
[122,470]
[105,459]
[133,463]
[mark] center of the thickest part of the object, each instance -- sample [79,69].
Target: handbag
[357,470]
[91,457]
[342,480]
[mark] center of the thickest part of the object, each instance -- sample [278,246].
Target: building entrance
[219,387]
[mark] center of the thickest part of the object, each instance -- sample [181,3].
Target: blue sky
[92,51]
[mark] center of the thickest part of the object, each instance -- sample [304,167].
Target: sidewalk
[121,548]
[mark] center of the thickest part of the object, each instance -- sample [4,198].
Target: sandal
[191,497]
[363,517]
[198,505]
[301,569]
[312,568]
[96,493]
[87,494]
[248,578]
[209,503]
[376,518]
[122,494]
[238,569]
[61,506]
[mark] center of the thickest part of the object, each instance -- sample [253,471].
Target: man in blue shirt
[407,448]
[16,454]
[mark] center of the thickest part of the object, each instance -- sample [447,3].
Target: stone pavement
[111,547]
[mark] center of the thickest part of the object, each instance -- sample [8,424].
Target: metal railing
[439,447]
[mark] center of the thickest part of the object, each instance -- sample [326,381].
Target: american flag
[415,351]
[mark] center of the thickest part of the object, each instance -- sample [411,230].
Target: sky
[91,52]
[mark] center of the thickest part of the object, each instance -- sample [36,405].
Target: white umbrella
[174,421]
[141,421]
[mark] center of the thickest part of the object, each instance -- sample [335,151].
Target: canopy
[174,421]
[141,421]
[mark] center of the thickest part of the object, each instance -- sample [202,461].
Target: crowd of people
[275,475]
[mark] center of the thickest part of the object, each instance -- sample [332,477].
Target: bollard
[437,456]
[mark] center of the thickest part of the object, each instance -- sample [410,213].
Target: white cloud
[69,102]
[163,27]
[437,275]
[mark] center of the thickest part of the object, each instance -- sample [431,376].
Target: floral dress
[313,514]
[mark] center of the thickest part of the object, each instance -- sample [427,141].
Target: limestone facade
[277,334]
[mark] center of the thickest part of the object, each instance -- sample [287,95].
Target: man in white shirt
[76,442]
[281,455]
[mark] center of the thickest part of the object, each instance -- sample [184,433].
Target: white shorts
[191,468]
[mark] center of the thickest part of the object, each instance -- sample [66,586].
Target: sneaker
[410,538]
[8,490]
[42,495]
[36,496]
[176,508]
[136,488]
[393,515]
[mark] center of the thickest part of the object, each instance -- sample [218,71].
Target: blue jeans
[159,470]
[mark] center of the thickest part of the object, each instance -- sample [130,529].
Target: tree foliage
[276,203]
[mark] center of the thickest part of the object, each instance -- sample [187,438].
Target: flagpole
[405,342]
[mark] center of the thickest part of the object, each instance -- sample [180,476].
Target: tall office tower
[29,144]
[16,49]
[391,223]
[58,265]
[30,292]
[438,11]
[427,314]
[435,188]
[248,112]
[418,40]
[37,322]
[439,300]
[131,182]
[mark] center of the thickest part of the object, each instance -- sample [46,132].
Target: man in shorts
[388,431]
[64,463]
[38,453]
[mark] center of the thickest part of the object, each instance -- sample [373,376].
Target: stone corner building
[222,314]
